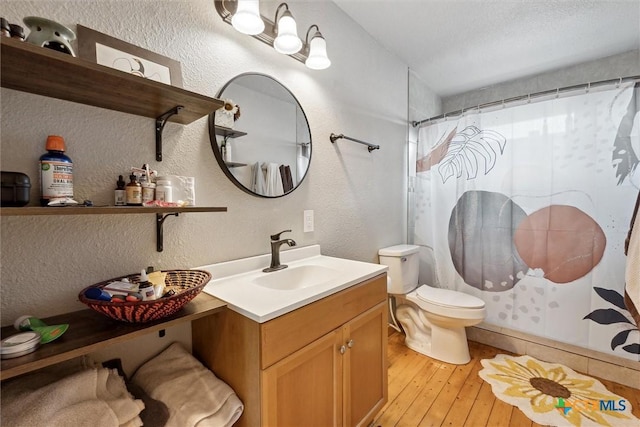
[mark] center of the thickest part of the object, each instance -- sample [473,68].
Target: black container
[15,189]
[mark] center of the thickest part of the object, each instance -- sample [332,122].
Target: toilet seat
[447,303]
[448,298]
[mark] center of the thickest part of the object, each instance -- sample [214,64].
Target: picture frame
[114,53]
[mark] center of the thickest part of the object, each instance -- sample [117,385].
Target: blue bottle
[56,171]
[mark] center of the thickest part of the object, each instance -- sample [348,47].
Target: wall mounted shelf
[228,132]
[30,68]
[104,210]
[161,213]
[90,331]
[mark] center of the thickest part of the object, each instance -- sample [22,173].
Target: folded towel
[91,398]
[193,394]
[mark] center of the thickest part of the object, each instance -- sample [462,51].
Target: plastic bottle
[148,189]
[133,191]
[56,171]
[146,288]
[164,190]
[120,193]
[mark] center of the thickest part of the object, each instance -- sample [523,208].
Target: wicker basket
[186,283]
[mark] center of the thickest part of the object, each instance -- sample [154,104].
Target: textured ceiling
[459,45]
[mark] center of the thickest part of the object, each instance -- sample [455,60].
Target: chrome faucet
[275,251]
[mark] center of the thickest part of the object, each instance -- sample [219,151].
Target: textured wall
[359,198]
[611,67]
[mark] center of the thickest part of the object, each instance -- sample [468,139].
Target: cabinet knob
[342,349]
[350,343]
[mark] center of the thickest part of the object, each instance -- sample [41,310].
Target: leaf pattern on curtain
[625,160]
[469,148]
[610,316]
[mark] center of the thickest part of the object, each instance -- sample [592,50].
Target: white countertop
[236,282]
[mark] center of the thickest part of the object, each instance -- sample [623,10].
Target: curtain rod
[619,80]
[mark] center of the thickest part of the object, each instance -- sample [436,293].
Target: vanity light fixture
[281,34]
[287,41]
[317,57]
[247,17]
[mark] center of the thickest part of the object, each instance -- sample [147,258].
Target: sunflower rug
[553,394]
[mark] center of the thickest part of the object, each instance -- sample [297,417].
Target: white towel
[193,394]
[257,180]
[274,180]
[90,398]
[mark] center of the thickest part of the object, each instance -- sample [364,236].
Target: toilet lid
[448,298]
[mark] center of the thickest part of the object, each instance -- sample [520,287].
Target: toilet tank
[402,261]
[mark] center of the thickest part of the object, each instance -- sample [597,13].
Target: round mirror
[261,138]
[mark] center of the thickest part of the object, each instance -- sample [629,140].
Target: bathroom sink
[310,276]
[299,277]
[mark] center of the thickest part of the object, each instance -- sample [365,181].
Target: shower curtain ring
[557,93]
[529,98]
[619,83]
[588,87]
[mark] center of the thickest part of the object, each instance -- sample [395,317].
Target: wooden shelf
[103,210]
[228,132]
[234,164]
[90,331]
[30,68]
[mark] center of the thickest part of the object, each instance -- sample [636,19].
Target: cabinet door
[305,388]
[365,366]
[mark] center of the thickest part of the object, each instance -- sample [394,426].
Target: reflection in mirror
[267,150]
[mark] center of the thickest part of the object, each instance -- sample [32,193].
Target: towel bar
[333,137]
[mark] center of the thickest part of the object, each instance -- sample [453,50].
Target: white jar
[164,190]
[148,192]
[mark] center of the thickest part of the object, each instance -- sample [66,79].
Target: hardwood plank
[519,419]
[481,408]
[467,394]
[400,374]
[500,414]
[446,398]
[408,394]
[429,391]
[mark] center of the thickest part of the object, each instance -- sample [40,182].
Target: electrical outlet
[308,221]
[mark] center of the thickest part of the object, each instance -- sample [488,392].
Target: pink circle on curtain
[563,241]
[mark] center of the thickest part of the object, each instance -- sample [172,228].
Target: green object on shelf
[47,333]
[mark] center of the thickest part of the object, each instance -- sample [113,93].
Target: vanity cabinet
[323,364]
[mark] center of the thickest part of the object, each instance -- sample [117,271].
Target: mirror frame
[213,138]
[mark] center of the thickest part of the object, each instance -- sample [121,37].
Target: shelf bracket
[159,234]
[160,122]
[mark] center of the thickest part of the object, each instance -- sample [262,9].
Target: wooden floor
[426,392]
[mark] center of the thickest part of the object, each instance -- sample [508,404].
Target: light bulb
[287,41]
[247,18]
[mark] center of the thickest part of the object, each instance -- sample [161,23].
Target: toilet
[433,319]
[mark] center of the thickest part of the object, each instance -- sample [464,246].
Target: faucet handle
[275,237]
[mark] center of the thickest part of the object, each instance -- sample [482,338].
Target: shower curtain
[527,206]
